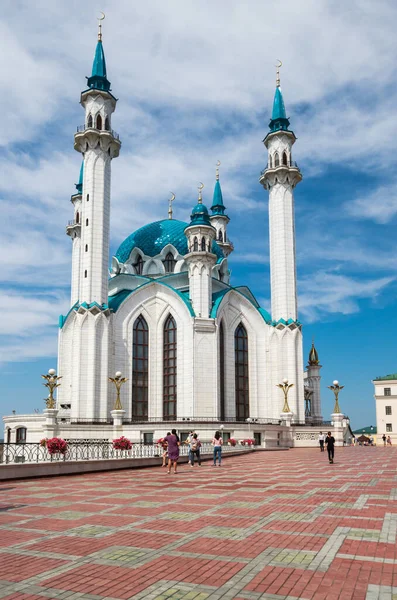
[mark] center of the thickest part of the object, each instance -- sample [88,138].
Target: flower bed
[231,442]
[122,443]
[247,442]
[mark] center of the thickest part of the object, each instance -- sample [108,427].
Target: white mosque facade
[192,347]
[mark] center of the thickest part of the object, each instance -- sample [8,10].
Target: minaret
[314,379]
[219,219]
[200,236]
[74,230]
[98,144]
[280,177]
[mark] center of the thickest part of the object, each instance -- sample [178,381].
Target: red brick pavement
[283,523]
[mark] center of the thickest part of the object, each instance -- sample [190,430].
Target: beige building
[386,406]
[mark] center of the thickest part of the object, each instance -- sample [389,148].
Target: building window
[276,160]
[258,438]
[86,222]
[203,244]
[86,247]
[77,217]
[285,159]
[388,410]
[139,265]
[88,197]
[222,371]
[140,359]
[195,245]
[85,273]
[107,127]
[148,438]
[387,391]
[99,122]
[20,435]
[169,369]
[89,121]
[241,373]
[226,435]
[220,236]
[389,427]
[169,263]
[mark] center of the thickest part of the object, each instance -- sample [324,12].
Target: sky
[195,83]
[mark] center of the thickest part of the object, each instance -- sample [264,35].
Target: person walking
[330,441]
[188,441]
[321,439]
[384,439]
[217,442]
[165,450]
[195,445]
[173,444]
[388,440]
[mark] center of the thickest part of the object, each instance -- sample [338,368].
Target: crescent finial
[218,164]
[280,64]
[200,188]
[170,201]
[100,18]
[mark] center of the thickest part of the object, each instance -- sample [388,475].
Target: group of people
[386,440]
[171,444]
[328,441]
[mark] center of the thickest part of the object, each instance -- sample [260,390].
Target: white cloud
[379,205]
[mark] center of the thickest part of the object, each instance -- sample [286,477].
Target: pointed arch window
[139,265]
[169,263]
[285,159]
[276,160]
[77,217]
[195,245]
[241,373]
[169,369]
[203,244]
[99,122]
[107,126]
[220,236]
[222,372]
[140,370]
[89,121]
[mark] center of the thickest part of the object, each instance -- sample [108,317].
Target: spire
[313,356]
[279,119]
[79,185]
[199,214]
[98,79]
[218,208]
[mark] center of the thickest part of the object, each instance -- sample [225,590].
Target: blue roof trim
[98,79]
[218,297]
[116,301]
[288,322]
[63,318]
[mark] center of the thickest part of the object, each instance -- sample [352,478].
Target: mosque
[192,347]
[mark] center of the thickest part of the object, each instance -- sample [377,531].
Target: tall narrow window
[241,368]
[86,247]
[220,236]
[85,273]
[86,222]
[140,357]
[203,244]
[169,263]
[276,160]
[139,265]
[222,371]
[77,217]
[20,437]
[195,245]
[89,121]
[285,159]
[169,369]
[99,122]
[88,197]
[107,127]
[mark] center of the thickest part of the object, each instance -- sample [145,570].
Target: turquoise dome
[200,215]
[152,238]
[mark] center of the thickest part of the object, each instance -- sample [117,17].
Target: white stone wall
[382,401]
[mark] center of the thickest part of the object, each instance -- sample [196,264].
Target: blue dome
[152,238]
[200,209]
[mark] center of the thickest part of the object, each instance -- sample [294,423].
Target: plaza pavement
[270,525]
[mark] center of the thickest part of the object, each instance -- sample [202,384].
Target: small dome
[152,238]
[200,209]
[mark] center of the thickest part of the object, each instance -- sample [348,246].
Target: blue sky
[195,83]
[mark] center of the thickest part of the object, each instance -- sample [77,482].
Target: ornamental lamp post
[336,388]
[118,381]
[285,387]
[249,426]
[52,382]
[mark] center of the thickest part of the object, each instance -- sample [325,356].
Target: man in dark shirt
[330,441]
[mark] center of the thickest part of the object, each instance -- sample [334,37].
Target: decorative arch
[276,160]
[20,435]
[169,263]
[222,386]
[169,369]
[138,265]
[285,159]
[140,370]
[241,372]
[99,122]
[89,121]
[203,245]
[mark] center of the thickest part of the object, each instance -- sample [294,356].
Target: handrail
[82,128]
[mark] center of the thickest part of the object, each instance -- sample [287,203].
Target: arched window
[77,217]
[285,159]
[8,439]
[88,197]
[169,369]
[195,245]
[203,244]
[20,435]
[270,161]
[139,265]
[85,274]
[89,121]
[241,370]
[99,122]
[107,127]
[276,160]
[140,360]
[86,222]
[222,371]
[169,263]
[220,236]
[86,247]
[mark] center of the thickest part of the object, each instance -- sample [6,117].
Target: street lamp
[249,426]
[285,387]
[118,381]
[336,388]
[52,380]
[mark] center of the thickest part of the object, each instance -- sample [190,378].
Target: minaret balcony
[82,128]
[91,137]
[73,228]
[281,173]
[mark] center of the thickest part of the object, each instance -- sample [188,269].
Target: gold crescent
[172,196]
[280,65]
[201,186]
[218,164]
[102,17]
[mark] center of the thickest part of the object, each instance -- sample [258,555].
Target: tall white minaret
[280,177]
[99,144]
[73,229]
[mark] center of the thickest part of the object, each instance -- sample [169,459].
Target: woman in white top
[217,443]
